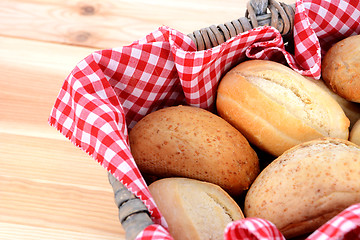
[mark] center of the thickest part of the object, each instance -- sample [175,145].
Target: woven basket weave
[133,214]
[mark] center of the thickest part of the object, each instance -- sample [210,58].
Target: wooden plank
[10,231]
[32,74]
[48,186]
[50,160]
[56,207]
[109,23]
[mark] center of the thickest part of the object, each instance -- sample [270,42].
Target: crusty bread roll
[351,109]
[276,108]
[306,186]
[340,68]
[194,209]
[355,133]
[184,141]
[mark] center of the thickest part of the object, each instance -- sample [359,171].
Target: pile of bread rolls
[206,169]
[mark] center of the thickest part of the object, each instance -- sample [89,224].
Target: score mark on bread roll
[276,108]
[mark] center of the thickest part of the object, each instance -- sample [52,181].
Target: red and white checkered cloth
[109,91]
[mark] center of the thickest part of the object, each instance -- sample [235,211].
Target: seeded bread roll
[276,108]
[184,141]
[306,186]
[340,68]
[193,209]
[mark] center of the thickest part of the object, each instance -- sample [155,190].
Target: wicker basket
[133,214]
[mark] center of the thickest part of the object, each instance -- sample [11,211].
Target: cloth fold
[345,226]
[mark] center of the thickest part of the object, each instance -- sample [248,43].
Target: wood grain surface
[43,192]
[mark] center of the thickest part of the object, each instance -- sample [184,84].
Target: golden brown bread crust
[355,133]
[306,186]
[194,209]
[276,108]
[341,68]
[191,142]
[351,109]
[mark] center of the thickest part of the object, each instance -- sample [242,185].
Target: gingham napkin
[109,91]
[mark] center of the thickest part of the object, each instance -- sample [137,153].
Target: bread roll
[184,141]
[341,68]
[355,133]
[276,108]
[306,186]
[194,209]
[351,109]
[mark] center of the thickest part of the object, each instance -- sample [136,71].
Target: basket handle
[281,17]
[133,214]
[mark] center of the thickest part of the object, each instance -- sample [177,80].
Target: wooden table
[43,195]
